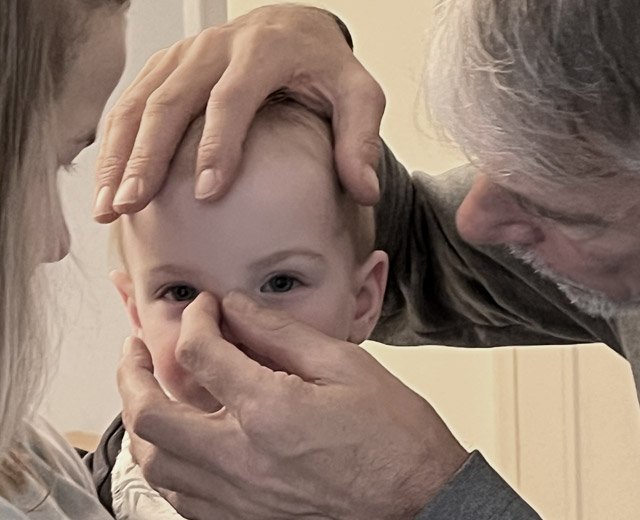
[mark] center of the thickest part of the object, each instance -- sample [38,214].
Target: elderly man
[536,242]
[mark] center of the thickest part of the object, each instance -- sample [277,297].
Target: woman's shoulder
[49,480]
[50,449]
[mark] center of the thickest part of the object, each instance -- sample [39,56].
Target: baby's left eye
[280,284]
[181,293]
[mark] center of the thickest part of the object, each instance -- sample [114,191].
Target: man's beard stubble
[592,302]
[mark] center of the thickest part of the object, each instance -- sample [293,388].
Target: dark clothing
[101,461]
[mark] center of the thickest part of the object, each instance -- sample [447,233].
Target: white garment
[133,497]
[59,486]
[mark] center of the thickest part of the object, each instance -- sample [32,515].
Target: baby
[286,234]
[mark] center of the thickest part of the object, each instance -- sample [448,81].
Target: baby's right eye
[180,293]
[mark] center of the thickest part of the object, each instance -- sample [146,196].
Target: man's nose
[491,215]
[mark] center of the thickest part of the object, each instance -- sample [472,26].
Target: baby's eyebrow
[280,256]
[171,270]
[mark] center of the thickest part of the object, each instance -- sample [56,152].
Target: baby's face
[275,236]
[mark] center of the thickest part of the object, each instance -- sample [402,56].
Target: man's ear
[124,285]
[372,281]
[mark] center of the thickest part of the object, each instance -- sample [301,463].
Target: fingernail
[102,205]
[128,192]
[207,184]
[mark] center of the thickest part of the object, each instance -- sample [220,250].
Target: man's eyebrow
[565,218]
[279,256]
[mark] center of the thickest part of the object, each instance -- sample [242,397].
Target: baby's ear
[372,281]
[124,285]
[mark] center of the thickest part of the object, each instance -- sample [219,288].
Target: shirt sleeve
[443,291]
[477,492]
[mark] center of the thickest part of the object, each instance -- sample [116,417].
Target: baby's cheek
[162,345]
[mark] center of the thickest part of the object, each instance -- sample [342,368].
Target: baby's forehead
[286,180]
[286,193]
[285,144]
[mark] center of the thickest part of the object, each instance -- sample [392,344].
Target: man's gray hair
[548,88]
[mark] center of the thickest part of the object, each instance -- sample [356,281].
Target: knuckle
[210,145]
[226,94]
[376,94]
[127,109]
[366,87]
[187,353]
[371,148]
[180,47]
[275,33]
[156,57]
[110,169]
[210,37]
[160,99]
[163,102]
[140,159]
[152,467]
[212,148]
[140,420]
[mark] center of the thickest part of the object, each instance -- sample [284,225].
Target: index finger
[225,371]
[120,130]
[300,349]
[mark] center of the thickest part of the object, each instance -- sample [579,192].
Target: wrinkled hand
[338,438]
[231,70]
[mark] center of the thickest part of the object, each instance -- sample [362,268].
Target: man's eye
[181,293]
[280,284]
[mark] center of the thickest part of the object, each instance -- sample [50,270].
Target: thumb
[226,372]
[139,389]
[298,348]
[356,125]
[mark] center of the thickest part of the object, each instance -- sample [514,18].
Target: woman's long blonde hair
[38,40]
